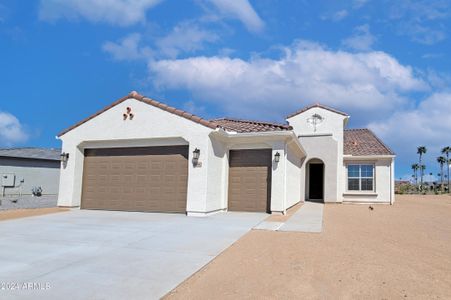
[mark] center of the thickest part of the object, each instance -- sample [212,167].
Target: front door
[316,185]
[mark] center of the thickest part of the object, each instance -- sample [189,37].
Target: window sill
[360,193]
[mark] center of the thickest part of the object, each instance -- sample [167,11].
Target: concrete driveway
[84,254]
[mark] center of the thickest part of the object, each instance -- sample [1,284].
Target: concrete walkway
[309,218]
[82,254]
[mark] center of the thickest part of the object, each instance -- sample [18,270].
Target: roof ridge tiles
[304,109]
[251,121]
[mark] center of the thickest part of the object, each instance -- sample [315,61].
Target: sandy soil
[22,213]
[284,218]
[391,252]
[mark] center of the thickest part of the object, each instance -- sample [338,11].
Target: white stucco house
[141,155]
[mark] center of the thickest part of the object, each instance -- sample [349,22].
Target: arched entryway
[314,180]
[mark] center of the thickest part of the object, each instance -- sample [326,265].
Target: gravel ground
[27,201]
[391,252]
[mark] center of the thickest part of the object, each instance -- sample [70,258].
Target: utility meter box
[8,180]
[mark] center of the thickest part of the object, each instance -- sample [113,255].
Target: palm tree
[441,160]
[415,168]
[447,150]
[422,169]
[421,150]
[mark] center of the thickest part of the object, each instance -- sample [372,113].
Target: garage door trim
[250,180]
[150,179]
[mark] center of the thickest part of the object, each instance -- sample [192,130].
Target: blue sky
[386,63]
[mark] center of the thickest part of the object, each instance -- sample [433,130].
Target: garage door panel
[136,179]
[249,180]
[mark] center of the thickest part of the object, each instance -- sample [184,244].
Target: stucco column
[197,179]
[278,179]
[71,177]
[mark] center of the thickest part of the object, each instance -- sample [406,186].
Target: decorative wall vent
[128,114]
[315,120]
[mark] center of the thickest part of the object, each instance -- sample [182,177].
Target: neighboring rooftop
[242,126]
[361,142]
[317,105]
[31,153]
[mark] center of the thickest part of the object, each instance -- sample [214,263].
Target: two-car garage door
[152,179]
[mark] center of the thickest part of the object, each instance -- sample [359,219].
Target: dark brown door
[152,179]
[250,180]
[316,186]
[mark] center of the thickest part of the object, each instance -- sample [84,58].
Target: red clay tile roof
[241,126]
[149,101]
[357,142]
[317,105]
[362,142]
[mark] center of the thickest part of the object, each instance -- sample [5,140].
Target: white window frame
[360,177]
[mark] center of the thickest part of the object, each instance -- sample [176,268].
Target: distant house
[22,169]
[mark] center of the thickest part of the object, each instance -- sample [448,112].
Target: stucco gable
[149,101]
[319,106]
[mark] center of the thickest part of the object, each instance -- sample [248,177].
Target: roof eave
[307,108]
[29,158]
[139,97]
[376,156]
[263,134]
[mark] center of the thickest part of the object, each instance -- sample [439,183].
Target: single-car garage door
[136,179]
[250,180]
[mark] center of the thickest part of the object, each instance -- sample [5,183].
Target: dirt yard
[391,252]
[29,212]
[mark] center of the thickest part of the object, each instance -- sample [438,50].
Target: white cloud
[4,12]
[427,124]
[340,15]
[361,40]
[241,10]
[421,20]
[366,82]
[186,37]
[359,3]
[335,16]
[116,12]
[128,48]
[422,34]
[11,130]
[439,80]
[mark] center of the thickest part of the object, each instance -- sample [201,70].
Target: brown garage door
[250,180]
[136,179]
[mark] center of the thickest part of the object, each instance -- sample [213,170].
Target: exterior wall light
[196,154]
[64,157]
[277,157]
